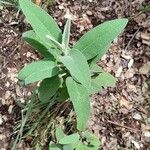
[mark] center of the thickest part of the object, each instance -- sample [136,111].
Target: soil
[120,116]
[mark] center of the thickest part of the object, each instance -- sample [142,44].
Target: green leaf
[68,147]
[42,23]
[48,88]
[70,139]
[59,134]
[104,79]
[54,146]
[81,102]
[37,71]
[78,67]
[95,69]
[98,39]
[56,43]
[66,34]
[81,146]
[92,140]
[63,94]
[36,43]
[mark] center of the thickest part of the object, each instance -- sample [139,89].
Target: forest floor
[120,116]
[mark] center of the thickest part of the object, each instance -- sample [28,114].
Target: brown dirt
[120,116]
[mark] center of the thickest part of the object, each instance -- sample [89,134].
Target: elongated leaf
[70,139]
[36,43]
[95,70]
[78,67]
[48,88]
[104,79]
[37,71]
[81,102]
[97,40]
[42,23]
[66,34]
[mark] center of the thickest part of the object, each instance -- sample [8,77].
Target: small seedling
[68,72]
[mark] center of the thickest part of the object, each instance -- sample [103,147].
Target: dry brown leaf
[125,103]
[145,69]
[119,71]
[18,91]
[129,73]
[7,95]
[145,36]
[140,18]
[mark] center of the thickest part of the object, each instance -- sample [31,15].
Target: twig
[126,48]
[123,126]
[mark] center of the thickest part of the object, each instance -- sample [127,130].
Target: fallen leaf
[119,71]
[145,69]
[145,36]
[130,73]
[89,13]
[136,144]
[125,103]
[18,91]
[140,18]
[7,95]
[137,116]
[1,120]
[131,88]
[147,134]
[130,63]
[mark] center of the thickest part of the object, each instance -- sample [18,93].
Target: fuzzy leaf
[81,146]
[42,23]
[104,79]
[37,71]
[68,147]
[63,94]
[31,38]
[48,88]
[95,69]
[59,134]
[78,67]
[54,146]
[98,39]
[81,102]
[66,34]
[92,139]
[70,139]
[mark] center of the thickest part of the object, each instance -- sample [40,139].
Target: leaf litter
[117,112]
